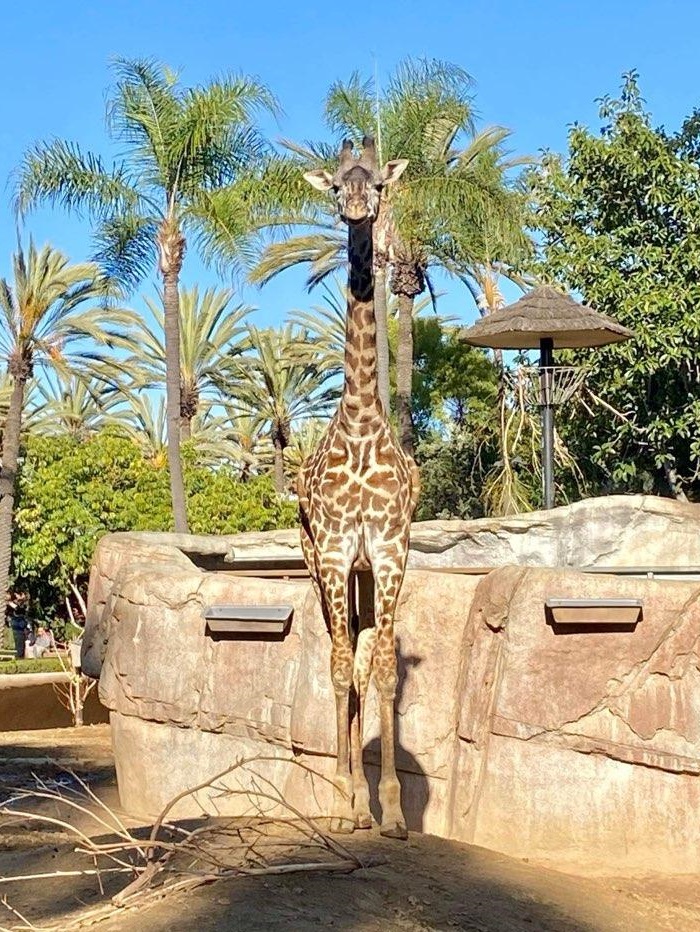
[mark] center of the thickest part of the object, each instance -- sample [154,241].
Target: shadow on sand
[415,791]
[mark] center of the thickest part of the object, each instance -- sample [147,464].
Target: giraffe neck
[360,403]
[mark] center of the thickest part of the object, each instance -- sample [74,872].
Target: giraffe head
[357,182]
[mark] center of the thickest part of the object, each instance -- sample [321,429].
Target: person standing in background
[19,624]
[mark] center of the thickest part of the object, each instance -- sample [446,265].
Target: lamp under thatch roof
[548,319]
[545,313]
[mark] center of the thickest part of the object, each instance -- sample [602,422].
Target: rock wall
[573,747]
[617,530]
[581,747]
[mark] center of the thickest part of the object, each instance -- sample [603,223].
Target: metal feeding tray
[594,613]
[248,619]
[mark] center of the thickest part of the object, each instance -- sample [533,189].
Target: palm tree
[211,335]
[453,197]
[45,324]
[279,388]
[143,419]
[305,440]
[454,207]
[180,145]
[73,404]
[323,328]
[253,450]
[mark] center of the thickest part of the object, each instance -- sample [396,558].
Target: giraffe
[357,493]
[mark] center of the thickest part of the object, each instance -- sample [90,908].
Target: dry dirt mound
[426,884]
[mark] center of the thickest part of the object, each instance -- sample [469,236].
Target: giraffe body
[357,493]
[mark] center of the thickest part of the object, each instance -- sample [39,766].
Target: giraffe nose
[355,209]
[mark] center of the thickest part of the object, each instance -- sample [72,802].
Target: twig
[65,825]
[121,828]
[90,872]
[219,776]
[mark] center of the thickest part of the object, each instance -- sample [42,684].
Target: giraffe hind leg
[307,550]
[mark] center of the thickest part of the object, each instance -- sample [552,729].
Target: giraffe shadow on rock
[415,789]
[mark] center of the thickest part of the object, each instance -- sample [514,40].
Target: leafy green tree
[280,388]
[212,332]
[72,492]
[454,384]
[619,219]
[452,469]
[179,146]
[46,324]
[455,390]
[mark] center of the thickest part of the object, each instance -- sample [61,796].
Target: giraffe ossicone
[357,494]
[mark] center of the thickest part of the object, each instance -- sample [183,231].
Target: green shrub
[31,665]
[71,493]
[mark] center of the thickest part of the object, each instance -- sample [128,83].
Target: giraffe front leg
[334,589]
[393,824]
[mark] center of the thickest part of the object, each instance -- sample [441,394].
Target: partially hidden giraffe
[357,493]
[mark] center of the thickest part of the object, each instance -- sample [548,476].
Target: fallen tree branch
[174,858]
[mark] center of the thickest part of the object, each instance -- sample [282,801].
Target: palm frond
[144,112]
[60,174]
[325,252]
[350,108]
[125,247]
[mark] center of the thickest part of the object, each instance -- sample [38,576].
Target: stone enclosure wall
[570,747]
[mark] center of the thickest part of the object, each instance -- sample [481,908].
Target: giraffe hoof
[342,826]
[394,830]
[363,821]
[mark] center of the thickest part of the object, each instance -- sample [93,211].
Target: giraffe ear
[319,179]
[393,170]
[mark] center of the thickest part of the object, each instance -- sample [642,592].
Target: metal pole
[546,363]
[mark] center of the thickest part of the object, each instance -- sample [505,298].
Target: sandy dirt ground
[426,883]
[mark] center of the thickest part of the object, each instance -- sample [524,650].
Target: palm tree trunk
[380,316]
[279,466]
[172,248]
[189,405]
[404,372]
[8,477]
[381,235]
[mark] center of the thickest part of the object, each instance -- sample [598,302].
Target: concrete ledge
[29,702]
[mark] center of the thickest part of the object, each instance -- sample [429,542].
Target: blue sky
[538,67]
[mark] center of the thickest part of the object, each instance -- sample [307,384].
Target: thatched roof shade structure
[545,313]
[546,319]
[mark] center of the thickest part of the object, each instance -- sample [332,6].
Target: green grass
[31,665]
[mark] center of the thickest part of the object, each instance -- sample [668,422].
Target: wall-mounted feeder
[250,620]
[602,614]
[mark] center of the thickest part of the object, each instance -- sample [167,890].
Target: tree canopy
[619,218]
